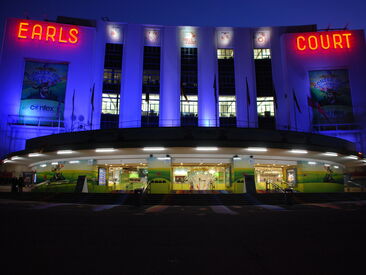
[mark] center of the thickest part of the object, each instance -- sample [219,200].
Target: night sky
[197,12]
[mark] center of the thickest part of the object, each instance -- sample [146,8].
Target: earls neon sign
[48,32]
[324,41]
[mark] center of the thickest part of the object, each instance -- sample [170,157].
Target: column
[246,114]
[98,72]
[131,86]
[169,115]
[207,69]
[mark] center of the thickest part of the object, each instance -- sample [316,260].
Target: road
[49,238]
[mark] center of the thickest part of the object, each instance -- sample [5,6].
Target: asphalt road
[44,238]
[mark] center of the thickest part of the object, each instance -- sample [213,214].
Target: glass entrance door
[195,178]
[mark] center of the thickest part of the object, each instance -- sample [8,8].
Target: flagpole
[248,115]
[72,113]
[181,104]
[91,118]
[216,102]
[310,122]
[248,99]
[295,116]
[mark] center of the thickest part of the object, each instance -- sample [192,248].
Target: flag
[296,102]
[248,96]
[92,104]
[147,95]
[92,97]
[73,106]
[215,89]
[275,96]
[182,93]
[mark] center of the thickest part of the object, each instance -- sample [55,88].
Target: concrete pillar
[246,114]
[207,68]
[169,115]
[131,86]
[99,56]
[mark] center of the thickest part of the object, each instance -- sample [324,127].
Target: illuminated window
[112,76]
[151,77]
[150,105]
[227,106]
[151,70]
[110,104]
[265,106]
[225,54]
[262,53]
[189,105]
[189,71]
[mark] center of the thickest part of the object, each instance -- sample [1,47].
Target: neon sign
[45,31]
[324,41]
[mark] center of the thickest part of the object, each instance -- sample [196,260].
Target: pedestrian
[191,187]
[14,188]
[20,184]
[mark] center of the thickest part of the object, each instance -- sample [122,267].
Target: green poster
[319,177]
[330,97]
[43,92]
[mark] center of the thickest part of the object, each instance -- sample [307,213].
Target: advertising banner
[152,37]
[43,92]
[159,175]
[330,97]
[225,39]
[243,175]
[188,37]
[262,39]
[114,33]
[319,177]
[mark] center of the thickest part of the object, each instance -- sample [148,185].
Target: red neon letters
[324,41]
[45,31]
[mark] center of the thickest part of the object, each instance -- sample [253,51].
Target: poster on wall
[330,97]
[102,176]
[188,37]
[225,38]
[291,177]
[262,39]
[152,37]
[114,33]
[43,92]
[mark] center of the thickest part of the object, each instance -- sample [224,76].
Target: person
[20,184]
[14,187]
[191,187]
[268,186]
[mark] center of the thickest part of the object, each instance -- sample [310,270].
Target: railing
[335,127]
[35,121]
[277,188]
[184,121]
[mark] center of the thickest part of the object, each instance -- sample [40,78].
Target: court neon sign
[50,32]
[324,41]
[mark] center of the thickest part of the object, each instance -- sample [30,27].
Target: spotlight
[64,152]
[256,149]
[298,151]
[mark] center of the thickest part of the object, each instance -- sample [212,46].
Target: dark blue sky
[197,12]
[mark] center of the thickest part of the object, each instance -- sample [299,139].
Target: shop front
[274,178]
[123,178]
[200,178]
